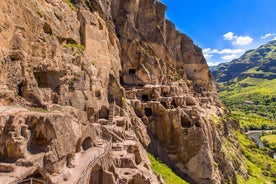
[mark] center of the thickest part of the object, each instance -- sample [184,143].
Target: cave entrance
[164,104]
[148,112]
[87,143]
[104,112]
[48,79]
[185,122]
[35,178]
[20,89]
[145,97]
[132,71]
[174,103]
[42,133]
[197,124]
[97,175]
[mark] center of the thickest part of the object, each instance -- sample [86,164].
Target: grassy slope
[261,168]
[270,140]
[252,98]
[161,169]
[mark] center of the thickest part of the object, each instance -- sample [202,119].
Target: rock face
[87,86]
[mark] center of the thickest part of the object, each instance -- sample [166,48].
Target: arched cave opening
[36,175]
[145,97]
[148,112]
[49,79]
[185,122]
[20,89]
[42,133]
[164,104]
[132,71]
[197,124]
[103,114]
[87,143]
[173,103]
[98,94]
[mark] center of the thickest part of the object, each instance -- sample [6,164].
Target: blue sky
[224,29]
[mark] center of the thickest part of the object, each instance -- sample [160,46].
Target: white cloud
[213,63]
[243,40]
[274,38]
[208,56]
[268,35]
[229,36]
[224,51]
[237,40]
[229,57]
[207,50]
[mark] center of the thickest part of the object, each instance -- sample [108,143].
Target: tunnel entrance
[186,122]
[148,112]
[87,143]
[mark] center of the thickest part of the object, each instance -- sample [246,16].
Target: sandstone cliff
[87,86]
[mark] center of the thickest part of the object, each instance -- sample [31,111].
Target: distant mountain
[248,84]
[258,63]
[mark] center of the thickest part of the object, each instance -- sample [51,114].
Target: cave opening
[174,104]
[132,71]
[145,97]
[20,89]
[164,104]
[185,122]
[197,124]
[148,112]
[49,79]
[98,94]
[36,177]
[87,143]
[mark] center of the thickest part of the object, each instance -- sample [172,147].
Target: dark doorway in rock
[185,122]
[36,177]
[49,79]
[164,104]
[197,124]
[20,89]
[132,71]
[42,133]
[145,97]
[174,104]
[98,94]
[87,143]
[148,112]
[103,114]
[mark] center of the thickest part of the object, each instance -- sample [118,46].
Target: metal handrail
[31,180]
[96,157]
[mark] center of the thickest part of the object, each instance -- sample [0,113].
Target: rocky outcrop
[98,82]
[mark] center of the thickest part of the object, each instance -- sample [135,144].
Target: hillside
[248,84]
[89,87]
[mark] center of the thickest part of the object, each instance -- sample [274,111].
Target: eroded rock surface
[86,89]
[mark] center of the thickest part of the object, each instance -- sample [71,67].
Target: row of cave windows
[185,122]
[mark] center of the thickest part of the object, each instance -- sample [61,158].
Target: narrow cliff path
[84,161]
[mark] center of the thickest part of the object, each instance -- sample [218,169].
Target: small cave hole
[173,103]
[87,143]
[164,104]
[166,94]
[20,89]
[148,112]
[47,29]
[132,71]
[197,124]
[185,122]
[104,112]
[98,94]
[121,80]
[145,97]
